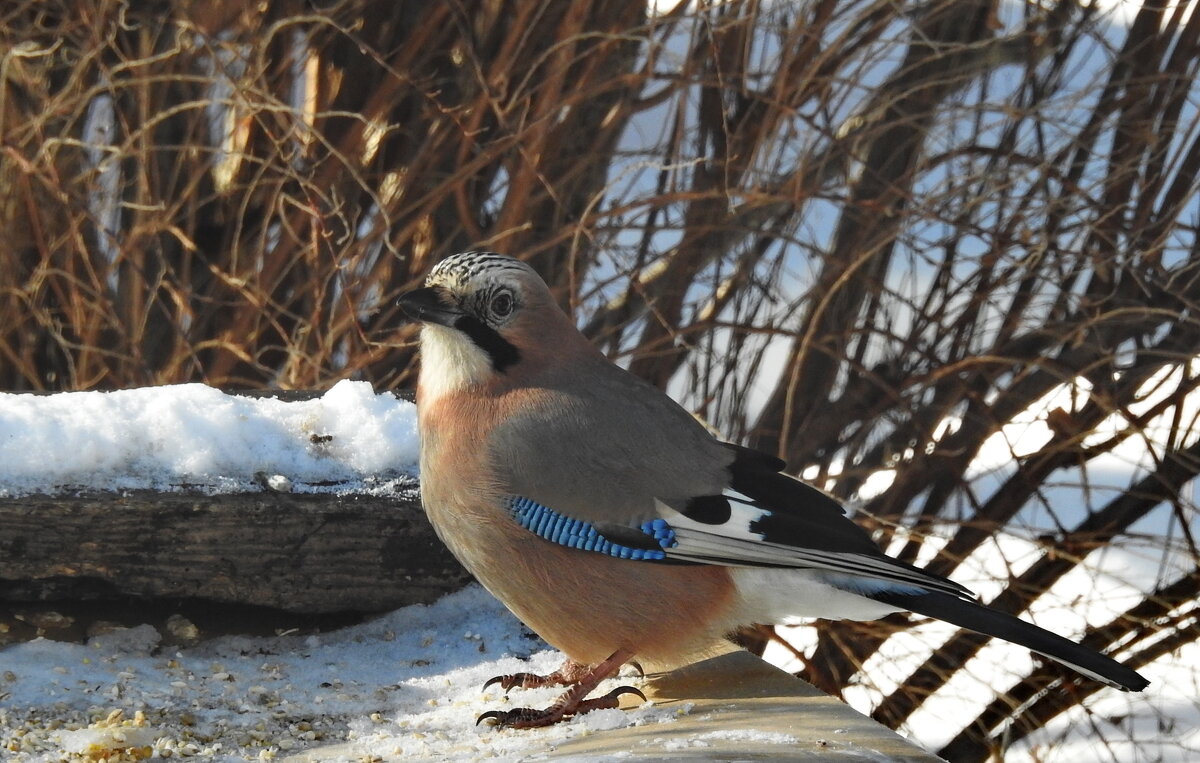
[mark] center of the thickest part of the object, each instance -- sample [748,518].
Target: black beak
[428,306]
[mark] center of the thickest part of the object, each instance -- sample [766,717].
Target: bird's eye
[502,304]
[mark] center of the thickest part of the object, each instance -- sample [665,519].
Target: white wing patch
[744,513]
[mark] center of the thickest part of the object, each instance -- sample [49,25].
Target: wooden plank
[296,552]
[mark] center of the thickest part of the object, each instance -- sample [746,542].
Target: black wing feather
[801,515]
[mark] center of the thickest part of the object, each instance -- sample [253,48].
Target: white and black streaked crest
[459,271]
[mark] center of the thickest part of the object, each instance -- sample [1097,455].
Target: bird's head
[484,315]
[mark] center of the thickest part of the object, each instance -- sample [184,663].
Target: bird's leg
[573,701]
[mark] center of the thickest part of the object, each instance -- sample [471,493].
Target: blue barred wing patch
[575,533]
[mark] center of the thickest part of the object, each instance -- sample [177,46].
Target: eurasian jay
[612,523]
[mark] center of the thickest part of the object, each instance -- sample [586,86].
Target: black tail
[981,619]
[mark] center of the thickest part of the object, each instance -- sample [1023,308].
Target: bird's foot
[528,680]
[569,674]
[581,679]
[564,707]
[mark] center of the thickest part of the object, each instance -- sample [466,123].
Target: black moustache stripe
[500,350]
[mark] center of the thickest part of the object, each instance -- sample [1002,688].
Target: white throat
[450,362]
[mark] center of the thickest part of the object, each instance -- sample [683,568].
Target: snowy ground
[406,684]
[409,683]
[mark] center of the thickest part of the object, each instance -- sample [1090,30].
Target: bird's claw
[528,717]
[523,680]
[501,717]
[617,692]
[519,718]
[505,682]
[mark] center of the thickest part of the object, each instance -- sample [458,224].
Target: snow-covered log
[307,503]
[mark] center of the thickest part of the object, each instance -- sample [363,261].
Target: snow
[406,684]
[195,436]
